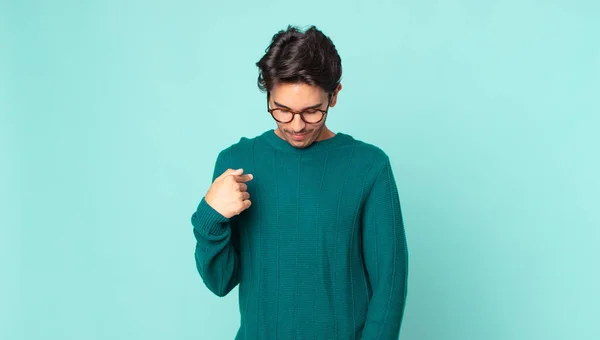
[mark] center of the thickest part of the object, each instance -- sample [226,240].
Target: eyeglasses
[310,116]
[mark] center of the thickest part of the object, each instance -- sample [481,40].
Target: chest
[305,199]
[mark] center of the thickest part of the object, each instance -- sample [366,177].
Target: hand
[228,194]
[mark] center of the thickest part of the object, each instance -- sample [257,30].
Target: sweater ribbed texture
[321,253]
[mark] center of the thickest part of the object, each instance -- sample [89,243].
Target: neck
[325,134]
[327,140]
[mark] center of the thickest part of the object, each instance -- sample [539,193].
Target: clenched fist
[228,194]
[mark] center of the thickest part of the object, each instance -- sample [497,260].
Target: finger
[243,206]
[244,178]
[247,204]
[244,195]
[242,187]
[229,172]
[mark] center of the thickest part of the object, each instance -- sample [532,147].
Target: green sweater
[321,253]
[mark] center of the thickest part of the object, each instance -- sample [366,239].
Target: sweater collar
[281,144]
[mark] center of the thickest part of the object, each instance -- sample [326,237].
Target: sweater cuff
[208,221]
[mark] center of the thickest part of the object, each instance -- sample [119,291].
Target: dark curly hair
[293,57]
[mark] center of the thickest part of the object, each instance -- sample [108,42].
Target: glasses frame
[301,113]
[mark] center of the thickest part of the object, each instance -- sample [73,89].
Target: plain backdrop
[113,112]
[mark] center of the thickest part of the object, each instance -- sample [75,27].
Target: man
[305,220]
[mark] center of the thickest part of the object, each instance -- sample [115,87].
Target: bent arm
[217,259]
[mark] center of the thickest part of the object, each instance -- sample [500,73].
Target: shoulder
[237,150]
[244,143]
[376,164]
[369,152]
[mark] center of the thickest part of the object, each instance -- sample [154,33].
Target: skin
[228,193]
[297,97]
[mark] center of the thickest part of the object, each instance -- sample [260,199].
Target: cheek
[316,128]
[282,127]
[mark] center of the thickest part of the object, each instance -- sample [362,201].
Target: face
[300,97]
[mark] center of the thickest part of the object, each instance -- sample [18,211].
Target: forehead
[297,95]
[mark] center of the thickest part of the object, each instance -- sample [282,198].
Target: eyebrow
[306,108]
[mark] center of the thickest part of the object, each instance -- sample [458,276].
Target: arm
[386,257]
[217,260]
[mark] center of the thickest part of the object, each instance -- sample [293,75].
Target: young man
[305,220]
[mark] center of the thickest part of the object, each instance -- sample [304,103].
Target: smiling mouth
[298,136]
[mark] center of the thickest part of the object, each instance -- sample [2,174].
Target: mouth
[298,136]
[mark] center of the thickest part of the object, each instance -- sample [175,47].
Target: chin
[308,140]
[299,144]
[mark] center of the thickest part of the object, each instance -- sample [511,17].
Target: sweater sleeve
[216,254]
[386,257]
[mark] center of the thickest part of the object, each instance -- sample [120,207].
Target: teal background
[112,114]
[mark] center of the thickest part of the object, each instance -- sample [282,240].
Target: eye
[311,112]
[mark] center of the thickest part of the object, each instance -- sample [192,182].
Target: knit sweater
[321,253]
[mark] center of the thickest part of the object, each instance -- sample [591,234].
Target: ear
[335,95]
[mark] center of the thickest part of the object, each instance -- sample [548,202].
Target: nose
[297,124]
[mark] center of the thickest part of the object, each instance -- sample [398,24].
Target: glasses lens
[282,115]
[312,116]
